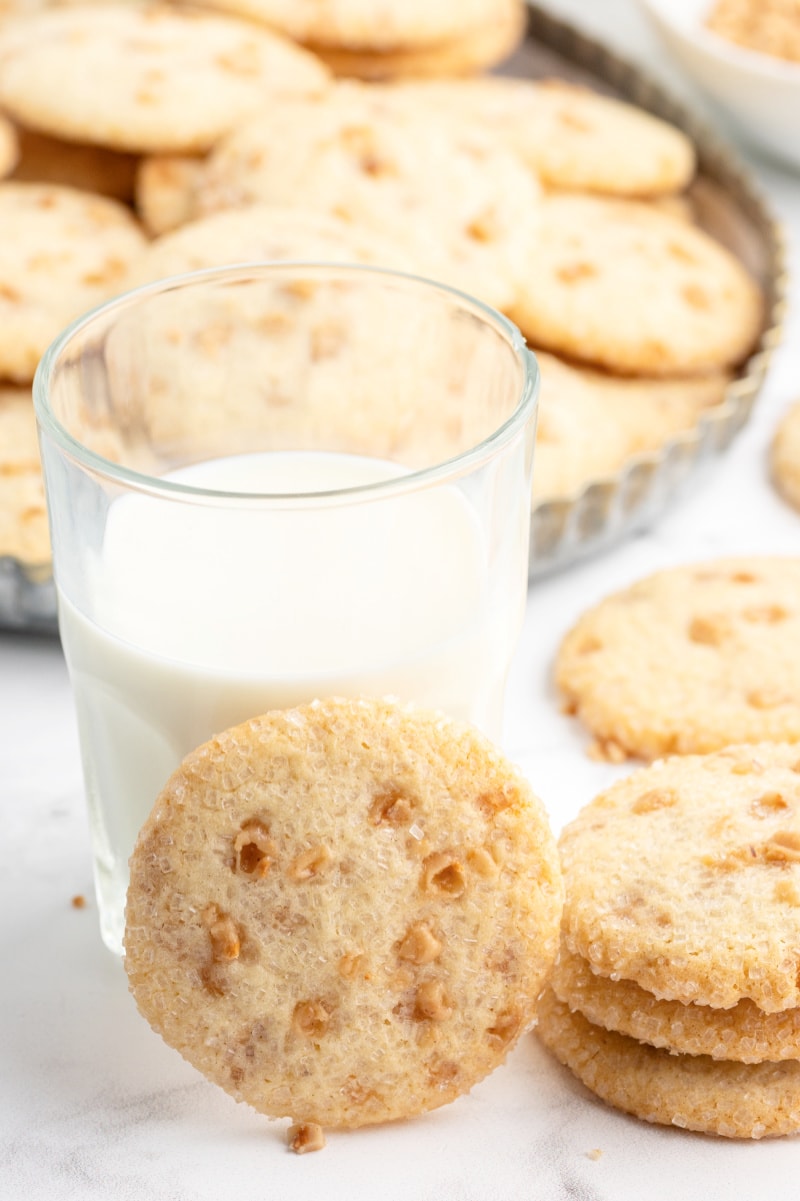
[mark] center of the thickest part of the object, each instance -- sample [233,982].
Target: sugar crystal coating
[292,938]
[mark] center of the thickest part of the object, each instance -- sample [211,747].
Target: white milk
[203,616]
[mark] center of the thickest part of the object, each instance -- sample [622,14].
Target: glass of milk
[271,483]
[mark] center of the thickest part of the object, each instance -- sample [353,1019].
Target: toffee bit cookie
[362,24]
[9,147]
[63,252]
[786,456]
[743,1033]
[690,659]
[619,284]
[259,233]
[343,912]
[685,878]
[590,424]
[23,514]
[145,78]
[734,1100]
[472,50]
[570,136]
[446,195]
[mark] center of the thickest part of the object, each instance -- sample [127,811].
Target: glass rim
[464,462]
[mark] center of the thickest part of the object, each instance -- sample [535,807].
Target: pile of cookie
[676,992]
[553,203]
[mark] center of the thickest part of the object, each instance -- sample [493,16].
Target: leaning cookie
[690,659]
[786,456]
[694,1092]
[344,912]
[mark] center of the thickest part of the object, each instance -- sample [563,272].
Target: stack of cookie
[676,996]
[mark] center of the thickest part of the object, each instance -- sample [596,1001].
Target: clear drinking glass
[271,483]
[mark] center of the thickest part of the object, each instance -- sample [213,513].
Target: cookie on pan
[23,514]
[63,252]
[690,659]
[261,232]
[785,456]
[473,49]
[572,137]
[364,25]
[591,424]
[743,1033]
[451,199]
[685,878]
[354,904]
[693,1092]
[145,78]
[623,286]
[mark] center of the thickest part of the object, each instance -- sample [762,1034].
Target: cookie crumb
[595,1153]
[78,901]
[305,1136]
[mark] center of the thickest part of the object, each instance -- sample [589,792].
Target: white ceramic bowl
[760,93]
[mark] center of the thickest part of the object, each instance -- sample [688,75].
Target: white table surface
[93,1105]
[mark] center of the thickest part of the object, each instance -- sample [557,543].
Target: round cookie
[785,455]
[446,195]
[633,289]
[475,49]
[361,24]
[744,1033]
[260,232]
[23,514]
[590,424]
[570,136]
[694,1092]
[63,252]
[9,147]
[145,78]
[690,659]
[343,912]
[685,878]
